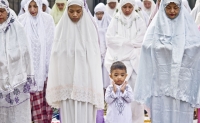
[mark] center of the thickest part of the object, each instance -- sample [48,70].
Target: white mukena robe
[75,77]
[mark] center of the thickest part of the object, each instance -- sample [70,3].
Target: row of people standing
[122,40]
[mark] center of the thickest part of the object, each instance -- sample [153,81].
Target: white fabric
[151,10]
[40,31]
[23,3]
[15,61]
[102,26]
[48,10]
[169,110]
[197,2]
[186,4]
[17,114]
[77,112]
[119,105]
[124,39]
[195,11]
[197,21]
[169,48]
[75,65]
[110,11]
[139,3]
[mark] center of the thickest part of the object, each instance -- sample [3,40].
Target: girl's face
[118,76]
[112,5]
[172,10]
[60,6]
[3,15]
[44,7]
[147,4]
[99,15]
[127,9]
[75,12]
[33,8]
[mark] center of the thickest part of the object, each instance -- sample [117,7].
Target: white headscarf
[40,31]
[195,11]
[151,10]
[75,65]
[170,57]
[23,3]
[124,39]
[110,11]
[102,26]
[197,2]
[186,4]
[48,10]
[15,61]
[56,13]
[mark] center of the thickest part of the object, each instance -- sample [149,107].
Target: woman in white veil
[168,76]
[75,77]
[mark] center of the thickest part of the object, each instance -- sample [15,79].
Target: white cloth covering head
[169,48]
[16,65]
[124,38]
[197,2]
[109,1]
[151,10]
[22,9]
[40,31]
[45,2]
[75,65]
[110,11]
[56,13]
[104,22]
[195,11]
[186,4]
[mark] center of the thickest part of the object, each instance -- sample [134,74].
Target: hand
[114,87]
[122,89]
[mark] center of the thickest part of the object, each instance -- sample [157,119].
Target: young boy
[119,96]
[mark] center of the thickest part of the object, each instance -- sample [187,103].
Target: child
[119,96]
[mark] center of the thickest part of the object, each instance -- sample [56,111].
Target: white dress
[75,76]
[119,105]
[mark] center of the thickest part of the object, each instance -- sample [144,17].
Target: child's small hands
[122,89]
[114,87]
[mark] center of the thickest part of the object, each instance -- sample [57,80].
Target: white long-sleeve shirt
[119,105]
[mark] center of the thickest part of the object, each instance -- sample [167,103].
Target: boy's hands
[114,87]
[122,89]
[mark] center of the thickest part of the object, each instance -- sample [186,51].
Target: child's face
[99,15]
[118,76]
[112,5]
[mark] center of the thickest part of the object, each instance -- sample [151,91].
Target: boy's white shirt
[119,104]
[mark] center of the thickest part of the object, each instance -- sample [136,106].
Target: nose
[127,9]
[172,9]
[75,14]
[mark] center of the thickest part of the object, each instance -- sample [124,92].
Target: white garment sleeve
[128,94]
[110,95]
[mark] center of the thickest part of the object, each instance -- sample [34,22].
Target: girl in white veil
[39,27]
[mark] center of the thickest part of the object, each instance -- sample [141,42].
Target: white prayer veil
[23,3]
[186,4]
[15,62]
[48,9]
[170,57]
[110,11]
[124,39]
[195,11]
[40,32]
[75,64]
[151,10]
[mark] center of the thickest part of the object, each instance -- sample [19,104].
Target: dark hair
[118,65]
